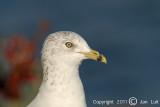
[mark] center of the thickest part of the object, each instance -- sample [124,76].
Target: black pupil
[68,44]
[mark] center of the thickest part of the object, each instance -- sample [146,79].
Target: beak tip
[105,61]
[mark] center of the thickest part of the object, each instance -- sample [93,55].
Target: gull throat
[61,82]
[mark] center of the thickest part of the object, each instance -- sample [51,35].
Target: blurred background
[126,32]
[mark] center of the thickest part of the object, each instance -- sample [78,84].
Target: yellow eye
[69,44]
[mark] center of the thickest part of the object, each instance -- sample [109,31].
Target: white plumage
[61,85]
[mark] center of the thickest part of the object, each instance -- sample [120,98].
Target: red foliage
[20,53]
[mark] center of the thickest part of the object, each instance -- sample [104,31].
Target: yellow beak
[95,56]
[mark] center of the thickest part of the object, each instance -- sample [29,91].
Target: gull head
[68,48]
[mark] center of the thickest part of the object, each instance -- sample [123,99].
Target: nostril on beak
[95,53]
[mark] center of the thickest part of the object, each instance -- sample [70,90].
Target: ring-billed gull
[62,54]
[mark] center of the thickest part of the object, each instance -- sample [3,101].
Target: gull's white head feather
[55,49]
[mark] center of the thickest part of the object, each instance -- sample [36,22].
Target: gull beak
[95,56]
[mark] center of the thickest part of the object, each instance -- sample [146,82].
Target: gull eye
[69,44]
